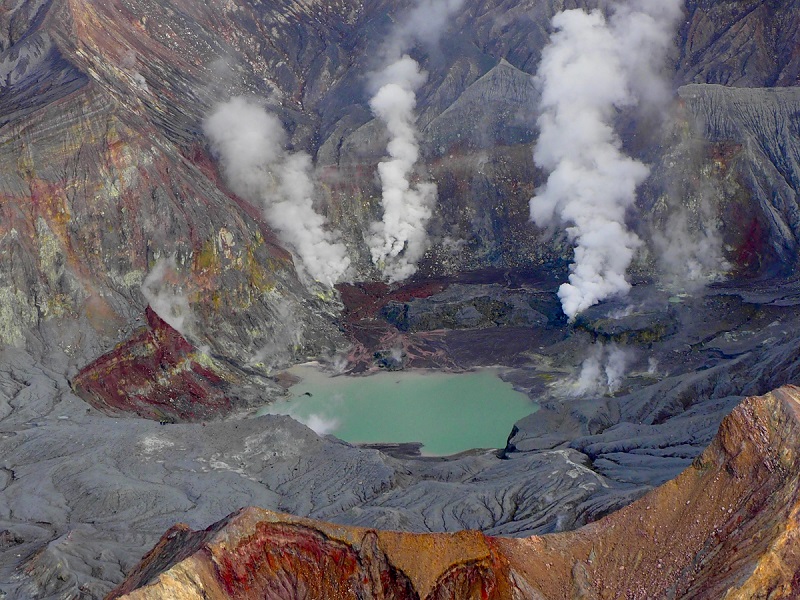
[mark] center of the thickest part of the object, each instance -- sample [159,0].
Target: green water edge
[447,412]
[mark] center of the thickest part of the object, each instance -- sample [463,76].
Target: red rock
[155,374]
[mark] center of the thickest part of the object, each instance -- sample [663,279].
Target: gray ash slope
[84,495]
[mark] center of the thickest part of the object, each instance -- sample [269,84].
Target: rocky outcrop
[157,374]
[726,526]
[467,307]
[765,124]
[434,322]
[745,43]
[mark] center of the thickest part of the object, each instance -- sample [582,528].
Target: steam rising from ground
[163,292]
[400,239]
[251,145]
[424,23]
[602,371]
[686,236]
[321,423]
[284,333]
[593,67]
[690,256]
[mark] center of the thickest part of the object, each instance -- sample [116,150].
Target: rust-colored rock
[726,527]
[155,374]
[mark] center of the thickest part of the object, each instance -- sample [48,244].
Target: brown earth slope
[726,527]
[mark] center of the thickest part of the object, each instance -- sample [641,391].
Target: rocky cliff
[726,526]
[764,124]
[105,176]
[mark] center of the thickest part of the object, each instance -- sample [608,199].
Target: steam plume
[591,68]
[251,145]
[424,23]
[690,255]
[400,239]
[688,241]
[602,372]
[163,292]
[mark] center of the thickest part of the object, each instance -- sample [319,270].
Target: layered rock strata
[157,374]
[107,170]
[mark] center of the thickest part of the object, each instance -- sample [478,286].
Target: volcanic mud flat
[447,413]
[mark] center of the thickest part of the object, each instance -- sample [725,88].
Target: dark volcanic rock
[766,122]
[439,322]
[499,104]
[628,325]
[467,307]
[743,43]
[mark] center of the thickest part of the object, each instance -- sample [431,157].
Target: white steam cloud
[163,292]
[285,333]
[602,372]
[320,425]
[251,145]
[424,23]
[400,239]
[690,255]
[593,67]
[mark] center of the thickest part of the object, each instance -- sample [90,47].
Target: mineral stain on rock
[155,374]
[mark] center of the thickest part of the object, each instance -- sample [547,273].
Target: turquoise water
[447,413]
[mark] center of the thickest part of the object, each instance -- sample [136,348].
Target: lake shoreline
[410,413]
